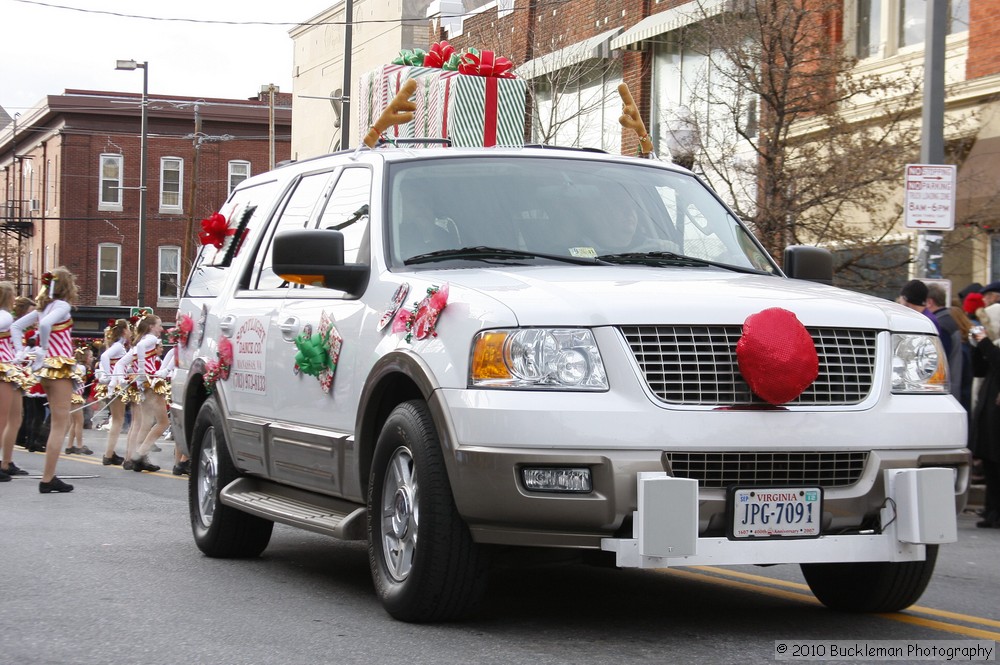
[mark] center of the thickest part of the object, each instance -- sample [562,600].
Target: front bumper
[917,512]
[490,436]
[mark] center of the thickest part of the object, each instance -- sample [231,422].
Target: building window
[238,172]
[109,263]
[880,28]
[913,20]
[170,273]
[579,106]
[111,183]
[171,184]
[869,27]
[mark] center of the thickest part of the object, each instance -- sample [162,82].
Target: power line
[475,12]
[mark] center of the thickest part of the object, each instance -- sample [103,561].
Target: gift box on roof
[379,86]
[481,104]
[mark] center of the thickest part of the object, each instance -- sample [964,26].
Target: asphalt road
[109,574]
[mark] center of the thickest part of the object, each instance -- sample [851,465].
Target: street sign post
[930,197]
[140,311]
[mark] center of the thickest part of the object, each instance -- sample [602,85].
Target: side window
[171,185]
[110,193]
[299,212]
[108,270]
[239,171]
[245,213]
[347,212]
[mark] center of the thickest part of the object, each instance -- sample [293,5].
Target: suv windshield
[545,208]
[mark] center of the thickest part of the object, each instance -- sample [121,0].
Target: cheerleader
[123,387]
[116,342]
[12,378]
[77,402]
[54,363]
[153,388]
[182,464]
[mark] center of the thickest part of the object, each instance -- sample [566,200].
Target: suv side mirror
[806,262]
[317,256]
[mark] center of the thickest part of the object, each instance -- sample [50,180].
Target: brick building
[70,190]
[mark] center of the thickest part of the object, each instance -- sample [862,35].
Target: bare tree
[807,149]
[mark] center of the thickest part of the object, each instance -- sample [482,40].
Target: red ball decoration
[776,355]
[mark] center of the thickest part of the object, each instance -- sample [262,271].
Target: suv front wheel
[219,530]
[423,561]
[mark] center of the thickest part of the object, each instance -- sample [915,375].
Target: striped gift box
[483,111]
[378,87]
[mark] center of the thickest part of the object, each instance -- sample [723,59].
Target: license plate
[775,512]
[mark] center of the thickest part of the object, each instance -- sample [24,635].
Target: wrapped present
[378,87]
[482,104]
[484,110]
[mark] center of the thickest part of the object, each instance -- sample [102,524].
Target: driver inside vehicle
[421,230]
[621,231]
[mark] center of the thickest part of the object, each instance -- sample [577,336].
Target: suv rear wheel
[423,561]
[219,531]
[870,587]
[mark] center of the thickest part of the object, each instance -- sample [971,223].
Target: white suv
[446,350]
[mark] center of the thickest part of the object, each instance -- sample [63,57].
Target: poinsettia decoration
[180,333]
[421,322]
[397,301]
[218,369]
[319,353]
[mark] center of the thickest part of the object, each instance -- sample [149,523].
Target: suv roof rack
[561,147]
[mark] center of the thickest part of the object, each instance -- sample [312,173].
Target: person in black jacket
[984,437]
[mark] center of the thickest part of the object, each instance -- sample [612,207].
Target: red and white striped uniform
[6,345]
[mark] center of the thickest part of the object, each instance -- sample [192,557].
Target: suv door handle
[227,323]
[289,328]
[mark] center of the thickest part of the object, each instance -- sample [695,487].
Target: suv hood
[639,295]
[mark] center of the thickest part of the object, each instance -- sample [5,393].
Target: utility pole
[271,89]
[345,122]
[930,244]
[189,231]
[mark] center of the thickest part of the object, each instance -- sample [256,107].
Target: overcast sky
[48,46]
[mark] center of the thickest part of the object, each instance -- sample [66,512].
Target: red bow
[486,63]
[214,230]
[439,54]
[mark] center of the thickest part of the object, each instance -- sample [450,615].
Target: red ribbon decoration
[776,355]
[214,230]
[439,54]
[486,63]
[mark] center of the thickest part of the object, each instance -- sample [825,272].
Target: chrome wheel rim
[400,515]
[208,477]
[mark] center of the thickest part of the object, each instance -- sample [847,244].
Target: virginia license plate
[776,512]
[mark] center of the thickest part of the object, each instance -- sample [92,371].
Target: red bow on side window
[214,230]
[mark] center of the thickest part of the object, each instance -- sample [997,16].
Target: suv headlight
[538,358]
[918,364]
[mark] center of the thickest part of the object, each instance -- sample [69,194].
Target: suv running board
[305,510]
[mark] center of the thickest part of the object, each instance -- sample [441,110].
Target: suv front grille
[696,365]
[825,469]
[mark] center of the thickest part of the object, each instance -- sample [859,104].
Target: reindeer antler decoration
[630,119]
[400,110]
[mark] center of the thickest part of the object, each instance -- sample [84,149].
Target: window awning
[666,21]
[574,54]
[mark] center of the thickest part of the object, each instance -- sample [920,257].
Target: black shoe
[85,451]
[140,465]
[127,465]
[5,477]
[36,449]
[988,524]
[54,485]
[14,470]
[114,460]
[183,468]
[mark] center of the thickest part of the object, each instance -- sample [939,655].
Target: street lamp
[131,65]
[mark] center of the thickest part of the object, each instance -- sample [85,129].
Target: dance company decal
[248,357]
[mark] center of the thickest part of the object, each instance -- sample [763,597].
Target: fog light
[557,480]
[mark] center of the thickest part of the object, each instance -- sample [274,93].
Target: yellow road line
[802,597]
[920,609]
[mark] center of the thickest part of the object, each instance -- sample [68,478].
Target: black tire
[219,531]
[870,587]
[410,503]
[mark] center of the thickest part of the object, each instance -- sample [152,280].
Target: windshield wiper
[661,258]
[483,252]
